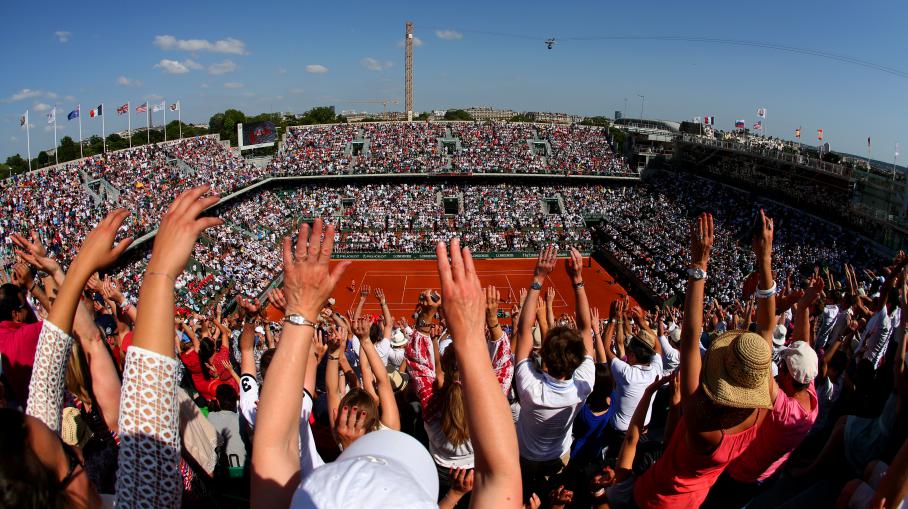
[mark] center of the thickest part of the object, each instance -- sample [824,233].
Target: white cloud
[316,69]
[233,84]
[376,65]
[280,71]
[192,64]
[128,82]
[448,35]
[203,85]
[228,45]
[172,66]
[62,35]
[52,95]
[25,93]
[67,98]
[417,42]
[222,67]
[41,107]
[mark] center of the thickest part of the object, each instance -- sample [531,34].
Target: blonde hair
[362,400]
[453,417]
[78,378]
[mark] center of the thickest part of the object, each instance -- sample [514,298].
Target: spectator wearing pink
[18,340]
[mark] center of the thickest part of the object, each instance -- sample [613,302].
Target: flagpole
[79,109]
[147,123]
[28,141]
[103,131]
[129,121]
[56,152]
[180,118]
[165,120]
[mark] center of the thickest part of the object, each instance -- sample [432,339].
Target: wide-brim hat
[737,369]
[645,339]
[399,338]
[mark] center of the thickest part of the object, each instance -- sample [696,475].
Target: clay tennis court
[403,280]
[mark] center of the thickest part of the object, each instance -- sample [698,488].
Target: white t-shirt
[249,401]
[630,382]
[878,331]
[548,408]
[824,328]
[671,357]
[443,452]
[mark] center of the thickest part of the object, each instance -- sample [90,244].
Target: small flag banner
[709,120]
[95,112]
[820,134]
[142,108]
[175,106]
[22,121]
[157,107]
[52,116]
[122,110]
[739,124]
[761,112]
[759,125]
[73,114]
[798,133]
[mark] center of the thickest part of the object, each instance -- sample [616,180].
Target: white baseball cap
[779,334]
[801,361]
[259,330]
[370,473]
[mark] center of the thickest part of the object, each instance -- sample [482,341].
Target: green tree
[423,116]
[95,145]
[68,150]
[597,121]
[520,117]
[43,158]
[457,115]
[16,164]
[320,115]
[228,130]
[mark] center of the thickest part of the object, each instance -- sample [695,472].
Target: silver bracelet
[767,293]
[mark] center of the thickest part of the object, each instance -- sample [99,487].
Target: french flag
[96,112]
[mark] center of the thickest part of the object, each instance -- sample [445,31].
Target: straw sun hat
[737,369]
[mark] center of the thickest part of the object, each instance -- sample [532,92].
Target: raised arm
[802,310]
[492,297]
[574,267]
[608,340]
[545,264]
[549,309]
[597,336]
[497,470]
[390,416]
[701,243]
[308,282]
[766,285]
[388,325]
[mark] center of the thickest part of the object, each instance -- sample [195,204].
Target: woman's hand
[701,240]
[545,264]
[574,266]
[97,250]
[308,281]
[34,253]
[461,292]
[179,230]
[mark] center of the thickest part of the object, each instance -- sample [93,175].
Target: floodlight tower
[408,80]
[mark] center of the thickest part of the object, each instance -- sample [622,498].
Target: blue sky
[291,56]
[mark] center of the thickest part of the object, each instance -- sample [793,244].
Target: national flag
[73,114]
[22,121]
[52,116]
[175,106]
[697,120]
[761,112]
[142,108]
[820,134]
[798,133]
[122,110]
[709,120]
[157,107]
[739,124]
[868,142]
[96,112]
[759,125]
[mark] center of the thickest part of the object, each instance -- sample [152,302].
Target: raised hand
[349,425]
[320,344]
[429,301]
[380,295]
[594,313]
[333,340]
[492,299]
[97,250]
[816,285]
[560,497]
[247,307]
[179,230]
[550,296]
[574,266]
[34,253]
[308,280]
[461,292]
[364,292]
[701,240]
[762,240]
[277,299]
[361,328]
[534,502]
[22,276]
[94,283]
[111,290]
[461,480]
[545,264]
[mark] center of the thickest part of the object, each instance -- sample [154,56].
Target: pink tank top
[682,478]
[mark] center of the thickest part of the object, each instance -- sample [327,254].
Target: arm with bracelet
[545,264]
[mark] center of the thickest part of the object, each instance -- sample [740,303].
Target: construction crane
[383,102]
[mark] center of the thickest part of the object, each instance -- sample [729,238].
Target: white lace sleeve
[149,461]
[45,390]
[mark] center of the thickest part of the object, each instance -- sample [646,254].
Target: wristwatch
[536,286]
[696,273]
[299,320]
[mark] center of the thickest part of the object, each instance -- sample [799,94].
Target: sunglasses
[75,462]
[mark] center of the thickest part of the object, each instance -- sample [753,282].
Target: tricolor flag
[122,110]
[157,107]
[739,124]
[73,114]
[96,112]
[52,116]
[798,133]
[142,108]
[759,125]
[820,134]
[175,106]
[709,120]
[761,112]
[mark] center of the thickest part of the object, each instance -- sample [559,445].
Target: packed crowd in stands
[798,399]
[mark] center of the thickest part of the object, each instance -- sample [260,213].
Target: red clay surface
[403,280]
